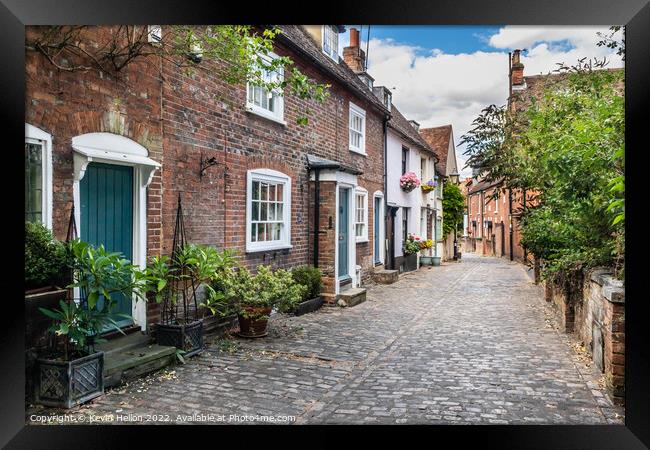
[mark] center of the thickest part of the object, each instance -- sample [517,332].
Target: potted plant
[426,260]
[46,275]
[215,317]
[174,282]
[311,277]
[428,186]
[253,297]
[71,372]
[409,181]
[411,249]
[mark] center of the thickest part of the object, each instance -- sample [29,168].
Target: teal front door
[344,232]
[106,213]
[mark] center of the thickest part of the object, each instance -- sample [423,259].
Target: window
[423,169]
[38,176]
[357,129]
[496,202]
[405,158]
[439,228]
[331,42]
[268,204]
[269,104]
[361,215]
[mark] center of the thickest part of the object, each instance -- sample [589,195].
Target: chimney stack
[517,70]
[353,56]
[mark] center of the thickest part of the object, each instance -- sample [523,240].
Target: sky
[447,74]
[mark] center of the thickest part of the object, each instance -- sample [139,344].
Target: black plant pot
[410,262]
[65,384]
[308,306]
[186,337]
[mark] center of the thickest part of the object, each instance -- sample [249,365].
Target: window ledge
[361,240]
[357,151]
[264,114]
[269,248]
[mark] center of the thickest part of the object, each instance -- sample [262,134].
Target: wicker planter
[256,326]
[65,384]
[308,306]
[186,337]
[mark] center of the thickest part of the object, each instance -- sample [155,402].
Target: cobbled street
[468,342]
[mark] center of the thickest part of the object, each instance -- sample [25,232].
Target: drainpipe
[316,214]
[510,214]
[383,246]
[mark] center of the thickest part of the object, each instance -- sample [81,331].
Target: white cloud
[435,88]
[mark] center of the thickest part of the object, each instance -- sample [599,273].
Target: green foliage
[310,277]
[97,274]
[239,289]
[453,208]
[412,245]
[46,261]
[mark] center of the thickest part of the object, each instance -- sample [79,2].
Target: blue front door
[106,195]
[344,228]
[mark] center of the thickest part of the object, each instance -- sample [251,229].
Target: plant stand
[309,306]
[65,384]
[186,337]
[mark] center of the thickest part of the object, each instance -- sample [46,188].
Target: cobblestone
[464,342]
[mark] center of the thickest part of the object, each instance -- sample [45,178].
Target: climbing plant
[453,207]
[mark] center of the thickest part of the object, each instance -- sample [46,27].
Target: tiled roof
[399,123]
[300,40]
[438,139]
[481,185]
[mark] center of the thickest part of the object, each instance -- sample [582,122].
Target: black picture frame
[635,14]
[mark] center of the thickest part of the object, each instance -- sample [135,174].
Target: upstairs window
[357,129]
[268,210]
[405,159]
[361,215]
[261,101]
[331,42]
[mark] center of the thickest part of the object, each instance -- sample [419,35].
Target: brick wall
[600,325]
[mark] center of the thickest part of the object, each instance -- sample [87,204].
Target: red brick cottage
[122,147]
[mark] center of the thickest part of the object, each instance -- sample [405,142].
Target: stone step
[385,276]
[133,361]
[122,343]
[352,297]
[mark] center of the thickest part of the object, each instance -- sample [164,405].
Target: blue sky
[450,39]
[447,74]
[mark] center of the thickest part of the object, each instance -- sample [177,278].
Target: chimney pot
[354,37]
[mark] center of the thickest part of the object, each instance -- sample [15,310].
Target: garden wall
[596,313]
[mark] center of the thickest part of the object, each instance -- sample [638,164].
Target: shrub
[45,258]
[310,277]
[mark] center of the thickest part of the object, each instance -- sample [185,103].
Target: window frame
[35,135]
[334,56]
[361,192]
[405,159]
[273,176]
[251,107]
[358,111]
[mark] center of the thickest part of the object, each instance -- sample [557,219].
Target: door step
[352,297]
[384,276]
[133,356]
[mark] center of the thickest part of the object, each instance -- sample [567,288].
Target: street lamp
[454,177]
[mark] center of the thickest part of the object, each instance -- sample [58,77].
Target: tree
[453,208]
[237,54]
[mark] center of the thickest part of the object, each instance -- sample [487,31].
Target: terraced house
[121,148]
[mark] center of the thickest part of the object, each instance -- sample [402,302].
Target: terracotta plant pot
[256,325]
